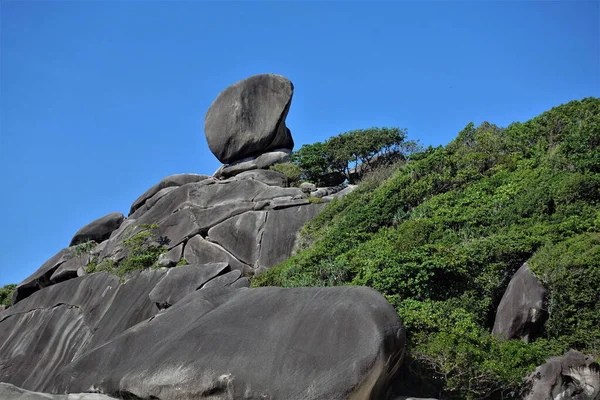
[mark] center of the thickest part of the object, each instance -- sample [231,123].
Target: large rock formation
[248,118]
[196,331]
[573,376]
[522,312]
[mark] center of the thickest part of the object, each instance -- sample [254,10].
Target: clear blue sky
[100,100]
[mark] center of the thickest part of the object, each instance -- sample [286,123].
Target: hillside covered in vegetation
[441,232]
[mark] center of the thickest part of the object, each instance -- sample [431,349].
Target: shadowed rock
[11,392]
[573,376]
[248,118]
[521,312]
[221,343]
[98,230]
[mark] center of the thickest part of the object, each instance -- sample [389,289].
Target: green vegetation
[143,249]
[291,171]
[442,234]
[6,293]
[181,262]
[330,163]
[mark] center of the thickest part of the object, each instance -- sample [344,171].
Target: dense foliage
[442,236]
[331,162]
[6,293]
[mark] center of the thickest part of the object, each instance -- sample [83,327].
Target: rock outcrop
[573,376]
[191,327]
[522,311]
[248,118]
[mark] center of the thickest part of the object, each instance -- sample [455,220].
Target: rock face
[98,230]
[251,344]
[573,376]
[198,331]
[248,118]
[522,312]
[11,392]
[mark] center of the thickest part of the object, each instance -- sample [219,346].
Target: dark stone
[266,176]
[201,251]
[240,235]
[171,258]
[248,118]
[169,181]
[41,278]
[281,231]
[223,343]
[181,281]
[224,280]
[71,269]
[98,230]
[573,376]
[47,330]
[11,392]
[521,313]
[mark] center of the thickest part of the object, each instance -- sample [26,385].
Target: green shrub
[442,234]
[291,172]
[6,294]
[143,249]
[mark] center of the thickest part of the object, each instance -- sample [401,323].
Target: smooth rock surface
[201,251]
[181,281]
[170,258]
[220,343]
[266,176]
[248,118]
[522,312]
[573,376]
[240,235]
[98,230]
[262,162]
[11,392]
[169,181]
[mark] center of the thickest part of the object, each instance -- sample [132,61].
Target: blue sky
[100,100]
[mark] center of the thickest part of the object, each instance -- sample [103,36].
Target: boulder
[169,181]
[307,187]
[73,268]
[522,312]
[42,277]
[11,392]
[248,118]
[224,280]
[181,281]
[275,343]
[574,376]
[98,230]
[170,258]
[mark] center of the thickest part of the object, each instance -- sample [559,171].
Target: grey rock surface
[522,312]
[98,230]
[42,277]
[574,376]
[266,176]
[12,392]
[201,251]
[169,181]
[222,343]
[45,331]
[181,281]
[281,233]
[224,280]
[241,235]
[72,268]
[171,258]
[248,118]
[262,162]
